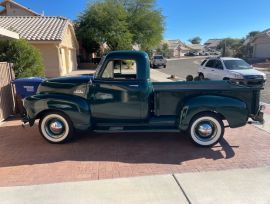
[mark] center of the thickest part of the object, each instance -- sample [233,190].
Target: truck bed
[168,94]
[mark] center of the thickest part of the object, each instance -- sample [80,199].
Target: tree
[26,59]
[120,24]
[163,50]
[252,34]
[104,22]
[195,40]
[231,47]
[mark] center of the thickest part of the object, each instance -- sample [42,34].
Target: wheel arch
[76,108]
[230,109]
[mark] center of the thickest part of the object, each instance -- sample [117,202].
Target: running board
[124,129]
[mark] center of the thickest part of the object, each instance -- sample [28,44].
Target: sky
[184,19]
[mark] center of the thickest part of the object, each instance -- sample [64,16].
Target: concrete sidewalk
[231,186]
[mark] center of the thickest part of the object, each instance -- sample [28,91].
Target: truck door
[118,94]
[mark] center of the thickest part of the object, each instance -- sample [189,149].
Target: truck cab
[120,96]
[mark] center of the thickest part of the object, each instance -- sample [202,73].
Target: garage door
[262,50]
[6,94]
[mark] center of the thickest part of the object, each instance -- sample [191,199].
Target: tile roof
[173,44]
[212,42]
[195,46]
[36,28]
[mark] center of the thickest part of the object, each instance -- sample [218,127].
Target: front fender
[234,110]
[75,107]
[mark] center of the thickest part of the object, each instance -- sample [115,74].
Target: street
[183,67]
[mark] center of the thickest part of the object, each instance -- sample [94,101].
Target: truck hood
[71,79]
[72,85]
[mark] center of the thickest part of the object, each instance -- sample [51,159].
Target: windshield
[236,64]
[99,66]
[158,57]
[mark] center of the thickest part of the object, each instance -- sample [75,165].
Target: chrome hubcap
[205,129]
[56,127]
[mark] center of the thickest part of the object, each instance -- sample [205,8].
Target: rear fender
[76,108]
[233,110]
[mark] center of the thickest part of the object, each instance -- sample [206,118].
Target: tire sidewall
[219,132]
[66,122]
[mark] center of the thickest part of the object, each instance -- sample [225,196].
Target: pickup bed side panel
[75,107]
[234,111]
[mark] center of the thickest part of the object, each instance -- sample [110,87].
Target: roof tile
[36,27]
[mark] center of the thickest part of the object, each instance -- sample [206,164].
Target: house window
[120,70]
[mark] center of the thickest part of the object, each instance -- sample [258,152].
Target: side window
[218,64]
[210,63]
[120,69]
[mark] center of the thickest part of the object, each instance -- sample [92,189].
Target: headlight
[238,76]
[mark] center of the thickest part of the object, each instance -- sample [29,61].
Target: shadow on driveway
[25,146]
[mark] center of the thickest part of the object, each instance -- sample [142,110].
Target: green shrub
[26,59]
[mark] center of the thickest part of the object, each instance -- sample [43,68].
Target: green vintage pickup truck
[121,97]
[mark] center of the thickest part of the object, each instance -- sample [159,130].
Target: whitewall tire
[206,129]
[56,127]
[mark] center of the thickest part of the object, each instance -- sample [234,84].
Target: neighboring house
[177,48]
[196,47]
[261,45]
[53,36]
[11,8]
[212,44]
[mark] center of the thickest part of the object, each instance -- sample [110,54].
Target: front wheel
[206,129]
[201,76]
[56,127]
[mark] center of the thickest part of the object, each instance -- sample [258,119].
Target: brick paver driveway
[26,158]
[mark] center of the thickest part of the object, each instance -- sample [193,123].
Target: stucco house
[53,36]
[196,47]
[177,48]
[11,8]
[261,45]
[212,44]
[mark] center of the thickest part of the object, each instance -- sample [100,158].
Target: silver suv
[158,61]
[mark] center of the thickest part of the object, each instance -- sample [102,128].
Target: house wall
[13,10]
[49,53]
[68,53]
[262,47]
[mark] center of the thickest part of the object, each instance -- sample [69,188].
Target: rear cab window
[120,70]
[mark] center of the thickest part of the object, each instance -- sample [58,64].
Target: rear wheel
[164,66]
[56,127]
[206,129]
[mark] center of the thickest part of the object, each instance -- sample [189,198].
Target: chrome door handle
[134,85]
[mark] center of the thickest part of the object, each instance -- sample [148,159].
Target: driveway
[26,158]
